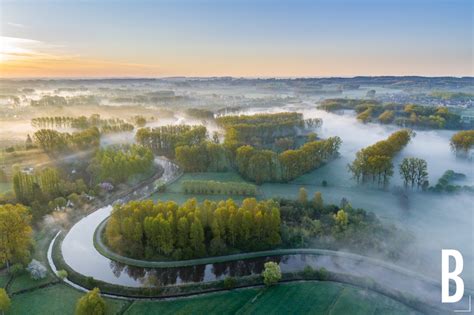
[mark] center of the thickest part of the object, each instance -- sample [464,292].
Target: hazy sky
[237,38]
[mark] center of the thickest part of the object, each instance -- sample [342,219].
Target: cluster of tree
[446,95]
[55,100]
[119,164]
[203,157]
[144,229]
[16,235]
[44,190]
[200,113]
[210,187]
[445,183]
[139,121]
[52,141]
[310,222]
[164,140]
[260,129]
[374,163]
[409,115]
[414,172]
[268,166]
[462,142]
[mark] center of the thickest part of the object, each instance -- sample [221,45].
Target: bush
[229,282]
[36,270]
[271,274]
[62,274]
[16,269]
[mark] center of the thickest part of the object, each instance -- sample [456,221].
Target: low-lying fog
[438,221]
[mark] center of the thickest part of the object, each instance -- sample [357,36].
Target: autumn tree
[4,301]
[91,304]
[16,232]
[462,142]
[302,196]
[318,201]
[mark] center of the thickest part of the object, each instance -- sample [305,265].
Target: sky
[242,38]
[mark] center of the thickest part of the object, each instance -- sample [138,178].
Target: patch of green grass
[24,281]
[4,187]
[286,298]
[57,299]
[365,302]
[175,190]
[4,277]
[216,303]
[296,298]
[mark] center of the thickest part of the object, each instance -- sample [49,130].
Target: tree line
[119,164]
[143,229]
[374,163]
[165,139]
[82,122]
[404,115]
[53,142]
[210,187]
[268,166]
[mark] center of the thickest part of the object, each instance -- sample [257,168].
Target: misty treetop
[165,139]
[83,122]
[462,142]
[414,172]
[117,164]
[54,142]
[374,163]
[259,129]
[144,229]
[404,115]
[268,166]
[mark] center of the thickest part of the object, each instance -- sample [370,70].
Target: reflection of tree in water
[116,268]
[192,274]
[241,268]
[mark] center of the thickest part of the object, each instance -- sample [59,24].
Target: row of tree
[144,229]
[210,187]
[164,140]
[53,142]
[119,164]
[409,115]
[268,166]
[81,122]
[374,163]
[414,172]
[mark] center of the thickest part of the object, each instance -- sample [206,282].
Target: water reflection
[199,273]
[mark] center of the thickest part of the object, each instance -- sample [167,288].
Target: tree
[4,301]
[36,270]
[462,142]
[91,304]
[271,274]
[16,231]
[414,171]
[303,196]
[341,219]
[318,203]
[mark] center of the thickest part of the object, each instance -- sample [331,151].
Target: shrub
[271,274]
[36,270]
[229,282]
[62,274]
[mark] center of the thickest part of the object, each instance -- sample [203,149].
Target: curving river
[80,254]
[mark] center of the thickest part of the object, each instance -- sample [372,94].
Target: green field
[175,190]
[57,299]
[290,298]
